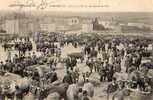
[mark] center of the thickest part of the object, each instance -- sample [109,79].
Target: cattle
[89,87]
[72,92]
[14,84]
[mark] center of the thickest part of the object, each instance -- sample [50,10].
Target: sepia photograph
[76,49]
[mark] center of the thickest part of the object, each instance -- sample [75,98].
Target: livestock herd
[124,63]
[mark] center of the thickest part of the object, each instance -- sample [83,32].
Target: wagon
[41,69]
[77,55]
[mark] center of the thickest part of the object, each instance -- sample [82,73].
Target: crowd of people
[111,57]
[107,58]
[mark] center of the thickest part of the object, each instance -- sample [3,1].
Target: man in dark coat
[6,66]
[68,63]
[1,66]
[15,58]
[102,73]
[5,46]
[18,69]
[110,73]
[87,50]
[73,62]
[90,64]
[29,59]
[128,63]
[50,63]
[68,78]
[98,65]
[29,44]
[34,58]
[85,96]
[36,76]
[53,75]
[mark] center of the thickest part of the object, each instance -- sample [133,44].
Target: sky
[112,5]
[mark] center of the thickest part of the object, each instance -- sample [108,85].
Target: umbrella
[94,79]
[86,69]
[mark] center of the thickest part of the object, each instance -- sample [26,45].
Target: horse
[72,92]
[53,96]
[89,87]
[59,89]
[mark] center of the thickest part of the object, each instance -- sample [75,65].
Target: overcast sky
[113,5]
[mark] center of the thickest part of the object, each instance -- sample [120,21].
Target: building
[87,27]
[48,27]
[107,24]
[33,26]
[12,26]
[135,29]
[97,26]
[2,28]
[73,21]
[23,27]
[140,25]
[20,26]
